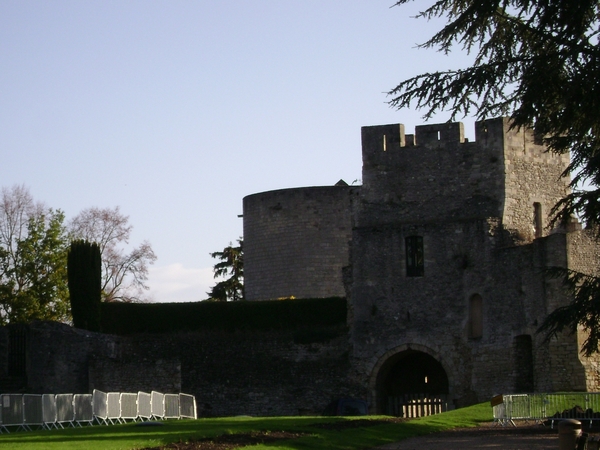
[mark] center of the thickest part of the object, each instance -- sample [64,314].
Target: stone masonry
[479,211]
[442,256]
[296,242]
[471,219]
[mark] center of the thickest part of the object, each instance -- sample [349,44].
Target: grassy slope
[130,436]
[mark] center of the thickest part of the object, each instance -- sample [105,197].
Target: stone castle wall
[433,311]
[433,175]
[260,373]
[464,324]
[480,209]
[584,251]
[437,175]
[296,242]
[533,175]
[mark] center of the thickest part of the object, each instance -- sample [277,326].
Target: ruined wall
[269,374]
[296,242]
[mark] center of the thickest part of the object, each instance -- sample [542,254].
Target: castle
[441,255]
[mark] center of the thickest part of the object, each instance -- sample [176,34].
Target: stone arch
[408,368]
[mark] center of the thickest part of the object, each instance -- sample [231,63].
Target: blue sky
[176,110]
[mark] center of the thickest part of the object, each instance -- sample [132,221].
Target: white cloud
[175,283]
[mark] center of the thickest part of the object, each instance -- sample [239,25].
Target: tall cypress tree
[85,284]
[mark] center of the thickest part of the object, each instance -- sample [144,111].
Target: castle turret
[436,174]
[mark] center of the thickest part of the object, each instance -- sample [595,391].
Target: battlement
[391,137]
[437,174]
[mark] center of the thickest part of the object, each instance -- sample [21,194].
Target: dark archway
[408,374]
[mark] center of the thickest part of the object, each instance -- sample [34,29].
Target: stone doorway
[411,383]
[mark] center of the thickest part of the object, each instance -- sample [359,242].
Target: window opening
[537,220]
[523,351]
[475,317]
[415,262]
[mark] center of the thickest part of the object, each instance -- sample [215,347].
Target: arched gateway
[409,382]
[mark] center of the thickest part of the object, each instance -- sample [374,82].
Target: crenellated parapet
[438,174]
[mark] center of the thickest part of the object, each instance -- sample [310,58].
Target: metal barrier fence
[187,406]
[144,405]
[47,411]
[83,409]
[546,407]
[158,405]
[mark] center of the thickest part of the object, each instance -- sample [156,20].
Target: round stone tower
[296,241]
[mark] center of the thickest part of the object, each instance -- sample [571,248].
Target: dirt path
[528,437]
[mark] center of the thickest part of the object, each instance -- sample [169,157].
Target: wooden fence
[416,405]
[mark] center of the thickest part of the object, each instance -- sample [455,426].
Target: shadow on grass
[365,435]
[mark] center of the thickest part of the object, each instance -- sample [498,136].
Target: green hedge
[128,318]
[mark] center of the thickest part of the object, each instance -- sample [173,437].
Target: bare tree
[124,275]
[16,208]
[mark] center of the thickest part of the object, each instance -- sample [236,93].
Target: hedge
[129,318]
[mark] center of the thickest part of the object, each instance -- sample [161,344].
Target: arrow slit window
[415,261]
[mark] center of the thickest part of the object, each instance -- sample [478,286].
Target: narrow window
[537,220]
[523,351]
[475,317]
[415,263]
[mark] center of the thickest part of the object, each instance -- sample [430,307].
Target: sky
[175,110]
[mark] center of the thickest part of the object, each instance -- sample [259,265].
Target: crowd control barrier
[158,405]
[144,405]
[33,411]
[583,406]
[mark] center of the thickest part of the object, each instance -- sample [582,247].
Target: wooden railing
[416,405]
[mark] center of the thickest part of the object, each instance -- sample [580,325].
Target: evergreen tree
[124,274]
[231,266]
[539,62]
[85,284]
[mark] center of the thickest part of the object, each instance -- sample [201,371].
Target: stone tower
[296,241]
[446,283]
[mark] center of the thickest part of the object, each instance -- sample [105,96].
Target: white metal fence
[583,406]
[47,411]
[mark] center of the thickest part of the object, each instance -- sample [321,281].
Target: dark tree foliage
[537,61]
[84,268]
[231,268]
[583,311]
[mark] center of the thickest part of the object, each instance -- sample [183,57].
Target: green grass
[130,436]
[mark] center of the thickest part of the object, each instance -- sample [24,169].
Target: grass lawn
[129,436]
